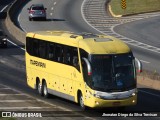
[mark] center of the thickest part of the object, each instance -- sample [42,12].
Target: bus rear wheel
[81,101]
[39,89]
[45,90]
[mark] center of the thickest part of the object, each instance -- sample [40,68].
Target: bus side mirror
[89,69]
[139,65]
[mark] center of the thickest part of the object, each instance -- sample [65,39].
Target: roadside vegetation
[134,6]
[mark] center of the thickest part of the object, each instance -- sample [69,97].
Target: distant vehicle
[93,70]
[37,11]
[3,39]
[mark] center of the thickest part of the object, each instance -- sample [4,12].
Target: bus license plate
[116,103]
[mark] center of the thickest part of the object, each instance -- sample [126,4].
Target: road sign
[123,4]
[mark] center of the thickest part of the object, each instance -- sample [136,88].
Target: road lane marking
[5,88]
[4,8]
[17,101]
[21,108]
[145,61]
[2,61]
[83,16]
[20,24]
[16,45]
[149,93]
[18,20]
[140,44]
[10,94]
[39,100]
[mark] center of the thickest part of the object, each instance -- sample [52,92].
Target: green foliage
[135,6]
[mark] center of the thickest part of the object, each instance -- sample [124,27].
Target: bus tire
[39,89]
[45,90]
[81,101]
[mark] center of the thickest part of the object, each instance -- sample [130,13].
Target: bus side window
[51,51]
[75,62]
[42,49]
[75,59]
[35,46]
[62,54]
[29,45]
[86,77]
[68,60]
[59,53]
[67,55]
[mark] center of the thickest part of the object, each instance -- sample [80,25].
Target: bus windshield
[113,72]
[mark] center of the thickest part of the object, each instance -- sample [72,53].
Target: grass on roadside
[134,6]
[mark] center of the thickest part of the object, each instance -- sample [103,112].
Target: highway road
[64,15]
[58,18]
[145,31]
[139,31]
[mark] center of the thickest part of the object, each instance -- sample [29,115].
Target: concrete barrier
[11,20]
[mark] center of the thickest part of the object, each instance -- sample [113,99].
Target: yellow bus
[92,70]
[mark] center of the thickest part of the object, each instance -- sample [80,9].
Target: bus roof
[92,43]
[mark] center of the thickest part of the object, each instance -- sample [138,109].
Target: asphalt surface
[143,25]
[59,18]
[67,16]
[146,31]
[61,15]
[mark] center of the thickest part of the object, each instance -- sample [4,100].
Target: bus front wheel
[81,101]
